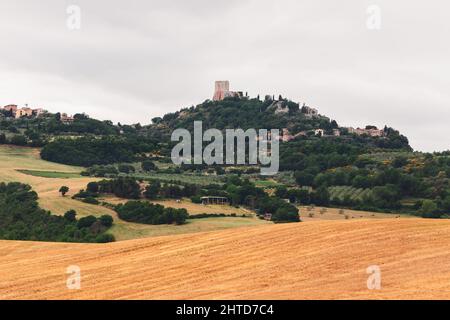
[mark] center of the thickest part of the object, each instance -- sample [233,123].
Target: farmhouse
[370,131]
[23,112]
[11,107]
[17,112]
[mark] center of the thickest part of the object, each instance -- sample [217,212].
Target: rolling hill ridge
[323,260]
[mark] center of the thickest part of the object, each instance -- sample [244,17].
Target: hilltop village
[13,111]
[222,91]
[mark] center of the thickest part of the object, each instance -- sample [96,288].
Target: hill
[321,163]
[288,116]
[321,260]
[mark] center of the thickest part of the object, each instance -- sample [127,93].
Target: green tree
[446,204]
[105,238]
[286,214]
[126,168]
[63,190]
[304,178]
[281,192]
[321,196]
[19,140]
[86,222]
[71,216]
[148,165]
[106,220]
[400,161]
[92,187]
[429,209]
[152,190]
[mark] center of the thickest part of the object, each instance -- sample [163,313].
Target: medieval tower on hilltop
[222,91]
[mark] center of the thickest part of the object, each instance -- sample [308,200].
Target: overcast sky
[135,60]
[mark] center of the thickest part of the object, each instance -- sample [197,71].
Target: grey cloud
[135,60]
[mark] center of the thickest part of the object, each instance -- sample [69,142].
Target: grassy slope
[193,208]
[310,214]
[322,260]
[13,159]
[51,174]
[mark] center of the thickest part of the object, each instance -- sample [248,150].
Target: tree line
[21,218]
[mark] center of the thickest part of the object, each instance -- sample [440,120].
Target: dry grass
[21,158]
[309,214]
[192,208]
[322,260]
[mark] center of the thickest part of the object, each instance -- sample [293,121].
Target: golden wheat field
[320,260]
[324,258]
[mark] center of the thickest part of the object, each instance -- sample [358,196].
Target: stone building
[372,132]
[38,112]
[11,107]
[66,119]
[23,112]
[319,132]
[222,91]
[309,112]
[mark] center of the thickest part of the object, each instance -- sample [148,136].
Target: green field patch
[342,192]
[127,230]
[180,177]
[266,183]
[51,174]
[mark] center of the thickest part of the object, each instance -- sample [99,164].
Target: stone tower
[222,90]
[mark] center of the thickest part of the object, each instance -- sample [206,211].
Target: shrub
[86,222]
[196,199]
[148,165]
[126,168]
[152,190]
[149,213]
[105,238]
[19,140]
[91,200]
[84,194]
[429,209]
[22,219]
[70,215]
[123,187]
[287,213]
[92,187]
[106,220]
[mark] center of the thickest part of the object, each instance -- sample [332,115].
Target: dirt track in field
[317,260]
